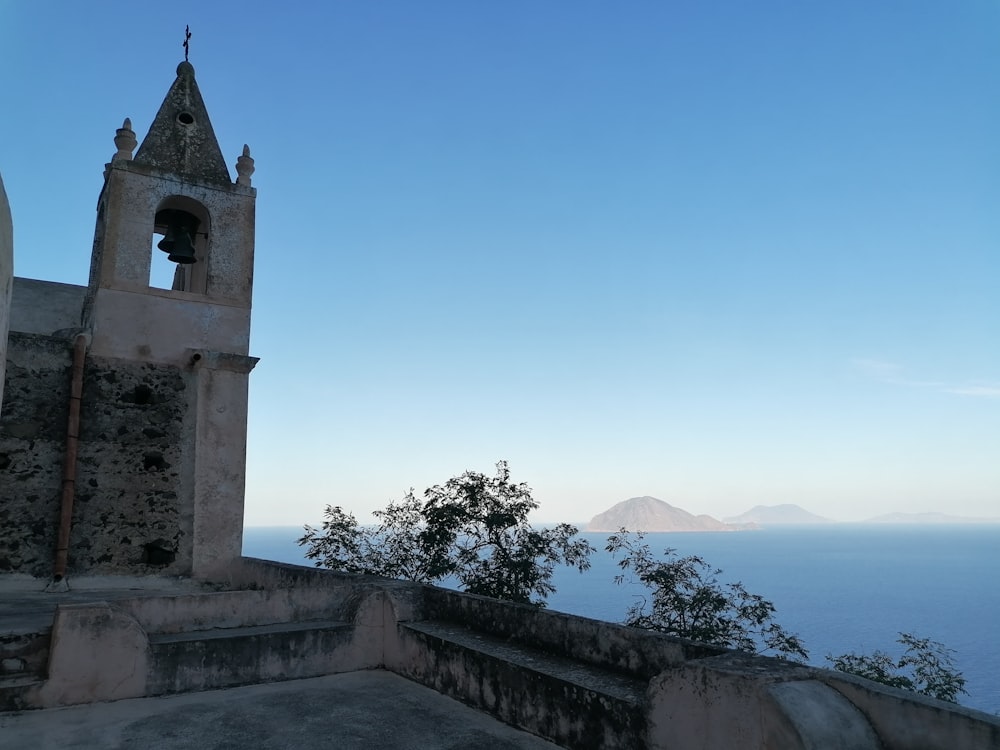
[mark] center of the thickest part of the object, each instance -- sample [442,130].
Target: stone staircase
[23,658]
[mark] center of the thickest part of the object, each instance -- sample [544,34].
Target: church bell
[178,239]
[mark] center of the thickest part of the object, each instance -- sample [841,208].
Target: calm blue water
[842,588]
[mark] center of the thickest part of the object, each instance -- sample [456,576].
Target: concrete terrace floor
[371,709]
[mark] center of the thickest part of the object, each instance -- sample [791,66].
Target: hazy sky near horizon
[721,253]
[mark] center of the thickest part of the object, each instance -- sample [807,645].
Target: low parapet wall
[253,573]
[237,609]
[697,696]
[740,700]
[906,720]
[670,693]
[639,652]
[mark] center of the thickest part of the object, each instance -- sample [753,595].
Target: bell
[177,240]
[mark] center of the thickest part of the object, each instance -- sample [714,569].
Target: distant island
[650,514]
[654,515]
[778,515]
[928,518]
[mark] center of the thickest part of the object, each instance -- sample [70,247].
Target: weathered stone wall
[32,442]
[133,507]
[133,502]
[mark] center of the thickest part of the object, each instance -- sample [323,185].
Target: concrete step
[573,703]
[23,661]
[15,688]
[22,652]
[222,657]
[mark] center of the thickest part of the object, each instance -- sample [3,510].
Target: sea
[841,588]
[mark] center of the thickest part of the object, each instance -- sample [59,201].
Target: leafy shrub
[687,600]
[925,667]
[473,529]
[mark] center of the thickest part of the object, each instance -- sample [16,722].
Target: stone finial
[124,142]
[244,167]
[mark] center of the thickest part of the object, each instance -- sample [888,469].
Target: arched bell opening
[179,253]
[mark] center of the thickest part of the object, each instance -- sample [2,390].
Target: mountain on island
[928,518]
[776,515]
[649,514]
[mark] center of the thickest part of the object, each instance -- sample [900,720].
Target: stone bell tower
[123,432]
[175,196]
[176,186]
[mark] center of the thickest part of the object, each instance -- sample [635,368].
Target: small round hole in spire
[185,118]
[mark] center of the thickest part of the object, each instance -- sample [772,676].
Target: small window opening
[154,462]
[142,395]
[159,552]
[185,118]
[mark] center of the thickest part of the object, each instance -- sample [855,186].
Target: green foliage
[473,529]
[687,600]
[391,549]
[925,667]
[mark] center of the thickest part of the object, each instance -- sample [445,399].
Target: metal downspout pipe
[69,464]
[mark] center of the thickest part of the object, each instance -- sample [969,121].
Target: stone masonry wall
[132,511]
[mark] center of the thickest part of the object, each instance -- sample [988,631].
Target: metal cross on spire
[187,41]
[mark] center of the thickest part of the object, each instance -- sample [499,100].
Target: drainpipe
[69,464]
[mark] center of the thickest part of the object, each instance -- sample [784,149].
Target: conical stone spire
[181,139]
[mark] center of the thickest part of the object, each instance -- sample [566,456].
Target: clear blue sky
[723,253]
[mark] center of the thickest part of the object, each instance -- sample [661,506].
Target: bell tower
[175,196]
[175,202]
